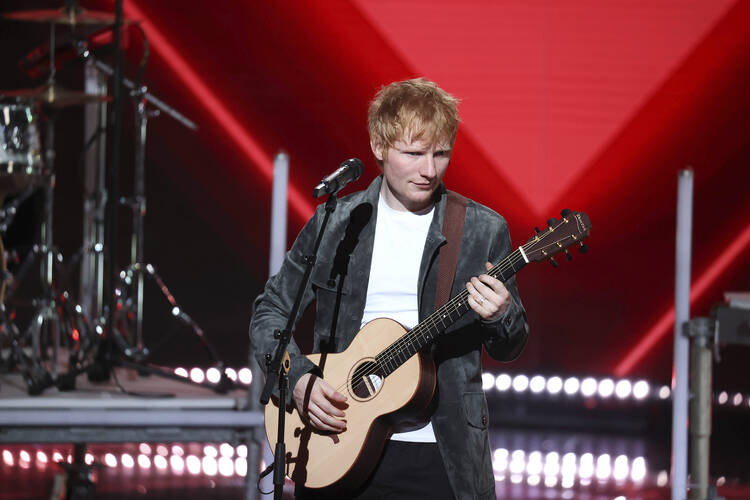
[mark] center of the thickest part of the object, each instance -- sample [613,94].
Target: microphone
[349,171]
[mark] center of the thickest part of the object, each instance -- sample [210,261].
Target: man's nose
[428,166]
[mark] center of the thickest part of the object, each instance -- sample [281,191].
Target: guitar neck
[428,330]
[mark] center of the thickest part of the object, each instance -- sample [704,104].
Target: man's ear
[377,150]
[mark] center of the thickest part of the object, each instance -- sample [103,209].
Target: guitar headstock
[559,235]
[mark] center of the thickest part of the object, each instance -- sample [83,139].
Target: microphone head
[356,165]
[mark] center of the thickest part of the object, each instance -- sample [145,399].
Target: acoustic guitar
[387,378]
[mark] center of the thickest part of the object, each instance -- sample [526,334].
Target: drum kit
[56,336]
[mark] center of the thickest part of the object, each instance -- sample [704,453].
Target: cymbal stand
[138,271]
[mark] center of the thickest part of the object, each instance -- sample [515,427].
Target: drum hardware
[56,319]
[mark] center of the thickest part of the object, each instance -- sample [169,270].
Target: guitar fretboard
[428,330]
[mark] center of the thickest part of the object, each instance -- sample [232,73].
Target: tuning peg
[553,262]
[565,212]
[537,230]
[568,256]
[583,248]
[551,221]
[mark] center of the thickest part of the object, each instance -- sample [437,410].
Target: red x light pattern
[587,105]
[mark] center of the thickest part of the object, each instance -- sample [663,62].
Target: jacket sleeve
[271,309]
[505,338]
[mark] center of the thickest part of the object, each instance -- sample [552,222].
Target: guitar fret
[440,320]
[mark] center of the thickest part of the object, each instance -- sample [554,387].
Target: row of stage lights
[587,387]
[553,469]
[227,461]
[534,468]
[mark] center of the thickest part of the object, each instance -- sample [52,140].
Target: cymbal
[65,16]
[55,96]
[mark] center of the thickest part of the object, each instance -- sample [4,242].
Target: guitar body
[376,407]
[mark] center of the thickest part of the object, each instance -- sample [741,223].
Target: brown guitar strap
[453,229]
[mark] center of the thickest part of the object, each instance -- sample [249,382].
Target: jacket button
[484,419]
[507,321]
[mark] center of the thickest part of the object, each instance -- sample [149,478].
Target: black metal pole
[105,355]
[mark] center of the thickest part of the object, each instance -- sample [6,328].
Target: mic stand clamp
[279,364]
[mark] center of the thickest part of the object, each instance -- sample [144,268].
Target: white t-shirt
[394,275]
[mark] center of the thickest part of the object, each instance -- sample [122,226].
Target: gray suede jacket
[338,284]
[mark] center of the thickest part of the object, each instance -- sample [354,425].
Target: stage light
[662,478]
[213,375]
[503,382]
[145,448]
[242,451]
[8,457]
[551,464]
[620,498]
[245,376]
[193,464]
[520,383]
[586,466]
[226,466]
[567,482]
[41,457]
[737,400]
[571,386]
[500,460]
[162,450]
[210,467]
[665,392]
[110,460]
[210,451]
[606,387]
[127,460]
[197,375]
[641,389]
[603,467]
[533,480]
[620,472]
[181,372]
[638,469]
[588,386]
[534,463]
[178,450]
[721,481]
[623,389]
[24,456]
[175,311]
[57,457]
[550,481]
[240,466]
[517,462]
[231,373]
[144,462]
[89,459]
[177,464]
[537,383]
[516,478]
[554,385]
[226,450]
[723,397]
[160,462]
[488,380]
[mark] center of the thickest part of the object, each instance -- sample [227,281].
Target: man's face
[412,172]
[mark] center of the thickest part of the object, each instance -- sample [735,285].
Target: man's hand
[488,297]
[319,403]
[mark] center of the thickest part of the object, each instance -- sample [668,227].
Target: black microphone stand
[278,365]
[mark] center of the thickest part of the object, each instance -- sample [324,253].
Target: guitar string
[395,351]
[438,316]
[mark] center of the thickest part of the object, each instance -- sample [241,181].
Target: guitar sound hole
[366,381]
